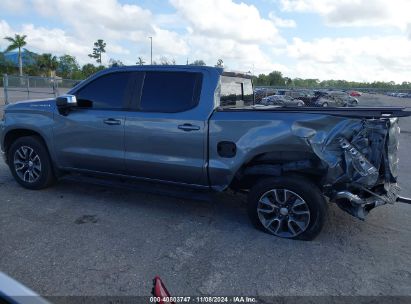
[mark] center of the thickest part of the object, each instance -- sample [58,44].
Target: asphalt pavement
[82,239]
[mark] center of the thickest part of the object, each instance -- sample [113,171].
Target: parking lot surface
[83,239]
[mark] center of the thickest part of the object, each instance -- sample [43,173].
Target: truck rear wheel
[288,207]
[30,163]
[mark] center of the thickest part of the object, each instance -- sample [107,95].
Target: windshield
[236,92]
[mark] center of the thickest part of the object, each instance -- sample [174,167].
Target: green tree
[67,66]
[140,61]
[165,61]
[48,64]
[275,78]
[6,67]
[220,63]
[89,69]
[262,80]
[288,81]
[98,50]
[17,43]
[115,63]
[198,62]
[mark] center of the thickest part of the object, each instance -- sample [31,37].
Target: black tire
[44,177]
[314,203]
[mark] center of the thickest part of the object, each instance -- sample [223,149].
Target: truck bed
[359,112]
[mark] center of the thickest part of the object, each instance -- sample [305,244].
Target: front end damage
[360,158]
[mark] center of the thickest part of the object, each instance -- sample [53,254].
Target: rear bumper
[360,206]
[404,200]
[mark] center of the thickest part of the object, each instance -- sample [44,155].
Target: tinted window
[236,91]
[170,92]
[106,92]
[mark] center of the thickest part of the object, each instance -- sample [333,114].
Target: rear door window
[170,92]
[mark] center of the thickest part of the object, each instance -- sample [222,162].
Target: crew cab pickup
[199,127]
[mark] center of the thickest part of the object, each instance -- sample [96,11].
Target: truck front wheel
[288,207]
[30,163]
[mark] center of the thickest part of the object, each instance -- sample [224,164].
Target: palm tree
[140,61]
[220,63]
[48,63]
[17,43]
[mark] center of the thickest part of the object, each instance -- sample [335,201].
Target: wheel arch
[12,135]
[278,164]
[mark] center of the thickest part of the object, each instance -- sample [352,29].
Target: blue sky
[324,39]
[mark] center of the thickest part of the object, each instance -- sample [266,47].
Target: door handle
[188,127]
[112,121]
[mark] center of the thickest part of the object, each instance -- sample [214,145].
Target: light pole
[151,42]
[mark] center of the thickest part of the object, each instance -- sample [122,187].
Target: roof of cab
[164,68]
[213,70]
[220,71]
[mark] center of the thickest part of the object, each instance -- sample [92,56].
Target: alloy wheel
[283,213]
[27,164]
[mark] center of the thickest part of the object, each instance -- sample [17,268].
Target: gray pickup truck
[199,127]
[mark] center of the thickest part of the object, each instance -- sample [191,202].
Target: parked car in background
[399,94]
[321,98]
[355,94]
[343,98]
[282,100]
[260,93]
[326,98]
[300,94]
[352,101]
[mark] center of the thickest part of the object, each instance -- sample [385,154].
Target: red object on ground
[355,94]
[160,291]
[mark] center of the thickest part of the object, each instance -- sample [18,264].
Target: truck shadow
[223,211]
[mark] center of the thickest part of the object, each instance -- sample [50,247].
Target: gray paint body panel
[254,133]
[83,141]
[36,115]
[156,148]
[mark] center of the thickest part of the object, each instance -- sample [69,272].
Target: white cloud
[236,55]
[208,31]
[235,32]
[5,30]
[363,58]
[227,29]
[54,40]
[227,19]
[169,42]
[15,6]
[107,18]
[280,22]
[367,13]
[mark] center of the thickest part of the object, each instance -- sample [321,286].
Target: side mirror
[65,103]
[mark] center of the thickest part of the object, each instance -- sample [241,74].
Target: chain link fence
[18,88]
